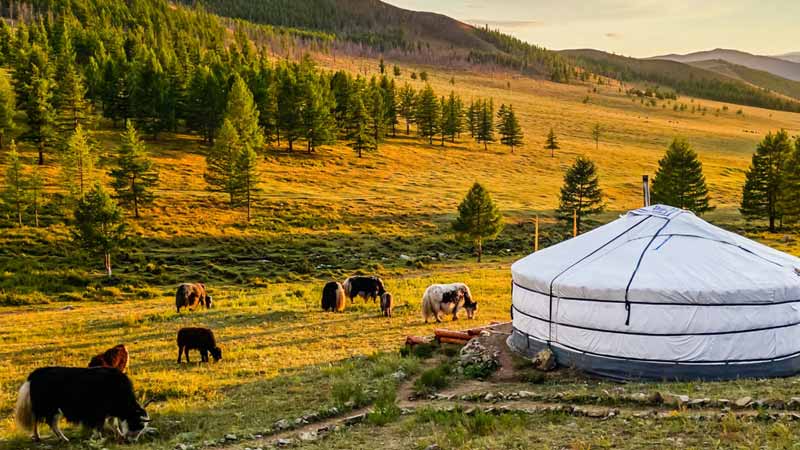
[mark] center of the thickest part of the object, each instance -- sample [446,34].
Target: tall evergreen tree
[427,114]
[290,106]
[319,125]
[478,218]
[376,109]
[247,177]
[472,118]
[14,194]
[222,174]
[407,106]
[510,131]
[580,195]
[99,227]
[78,160]
[765,179]
[679,180]
[359,137]
[485,126]
[243,115]
[134,176]
[205,103]
[69,93]
[389,92]
[597,132]
[8,105]
[39,111]
[791,190]
[551,143]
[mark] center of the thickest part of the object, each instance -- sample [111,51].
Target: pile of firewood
[443,336]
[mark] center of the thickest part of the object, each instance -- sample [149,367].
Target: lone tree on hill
[510,131]
[478,218]
[551,143]
[679,180]
[14,194]
[597,132]
[135,175]
[764,180]
[580,195]
[7,107]
[78,159]
[99,227]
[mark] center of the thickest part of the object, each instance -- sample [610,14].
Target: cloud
[506,23]
[613,35]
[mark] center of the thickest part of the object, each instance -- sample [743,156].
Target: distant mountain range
[793,57]
[783,66]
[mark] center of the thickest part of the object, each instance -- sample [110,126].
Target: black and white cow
[86,396]
[364,287]
[447,298]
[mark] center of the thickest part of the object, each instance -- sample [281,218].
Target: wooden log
[449,340]
[451,334]
[415,340]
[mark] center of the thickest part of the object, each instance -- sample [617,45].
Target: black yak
[201,339]
[333,297]
[83,396]
[365,287]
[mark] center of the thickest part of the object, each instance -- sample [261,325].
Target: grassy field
[328,215]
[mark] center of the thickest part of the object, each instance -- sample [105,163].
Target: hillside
[776,66]
[683,78]
[754,77]
[792,56]
[396,32]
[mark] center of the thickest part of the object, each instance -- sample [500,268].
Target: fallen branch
[440,333]
[449,340]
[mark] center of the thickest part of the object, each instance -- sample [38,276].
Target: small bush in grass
[480,371]
[421,351]
[386,409]
[345,391]
[533,377]
[433,380]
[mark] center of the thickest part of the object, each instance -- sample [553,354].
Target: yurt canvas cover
[660,294]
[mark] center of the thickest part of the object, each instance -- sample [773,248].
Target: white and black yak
[83,396]
[116,357]
[364,287]
[192,295]
[333,297]
[447,298]
[200,339]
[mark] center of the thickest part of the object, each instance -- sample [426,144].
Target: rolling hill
[757,78]
[776,66]
[683,78]
[791,56]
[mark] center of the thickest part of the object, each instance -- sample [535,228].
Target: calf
[333,297]
[443,298]
[116,357]
[365,287]
[387,303]
[191,295]
[201,339]
[83,396]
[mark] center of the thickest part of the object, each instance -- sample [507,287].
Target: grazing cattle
[333,297]
[83,396]
[444,298]
[201,339]
[365,287]
[387,303]
[116,357]
[190,295]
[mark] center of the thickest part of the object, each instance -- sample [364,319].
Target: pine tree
[596,134]
[389,92]
[359,137]
[791,189]
[243,115]
[14,194]
[78,159]
[99,227]
[510,131]
[485,126]
[551,143]
[580,195]
[318,122]
[472,118]
[679,180]
[764,180]
[407,105]
[376,109]
[427,114]
[222,173]
[453,115]
[134,175]
[478,218]
[290,106]
[247,177]
[39,111]
[7,107]
[69,93]
[205,103]
[443,117]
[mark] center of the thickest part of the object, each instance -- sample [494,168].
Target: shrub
[433,380]
[348,391]
[386,409]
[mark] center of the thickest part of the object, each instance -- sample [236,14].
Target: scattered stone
[308,436]
[639,397]
[699,401]
[794,402]
[405,257]
[282,424]
[181,447]
[776,404]
[283,442]
[355,419]
[399,375]
[656,398]
[477,355]
[525,394]
[545,360]
[231,437]
[432,447]
[68,308]
[744,401]
[489,397]
[676,400]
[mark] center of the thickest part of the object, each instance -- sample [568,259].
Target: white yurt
[660,294]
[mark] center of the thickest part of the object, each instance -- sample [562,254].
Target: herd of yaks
[93,395]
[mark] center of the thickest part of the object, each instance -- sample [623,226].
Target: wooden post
[536,234]
[574,223]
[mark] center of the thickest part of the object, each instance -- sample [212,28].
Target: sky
[637,28]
